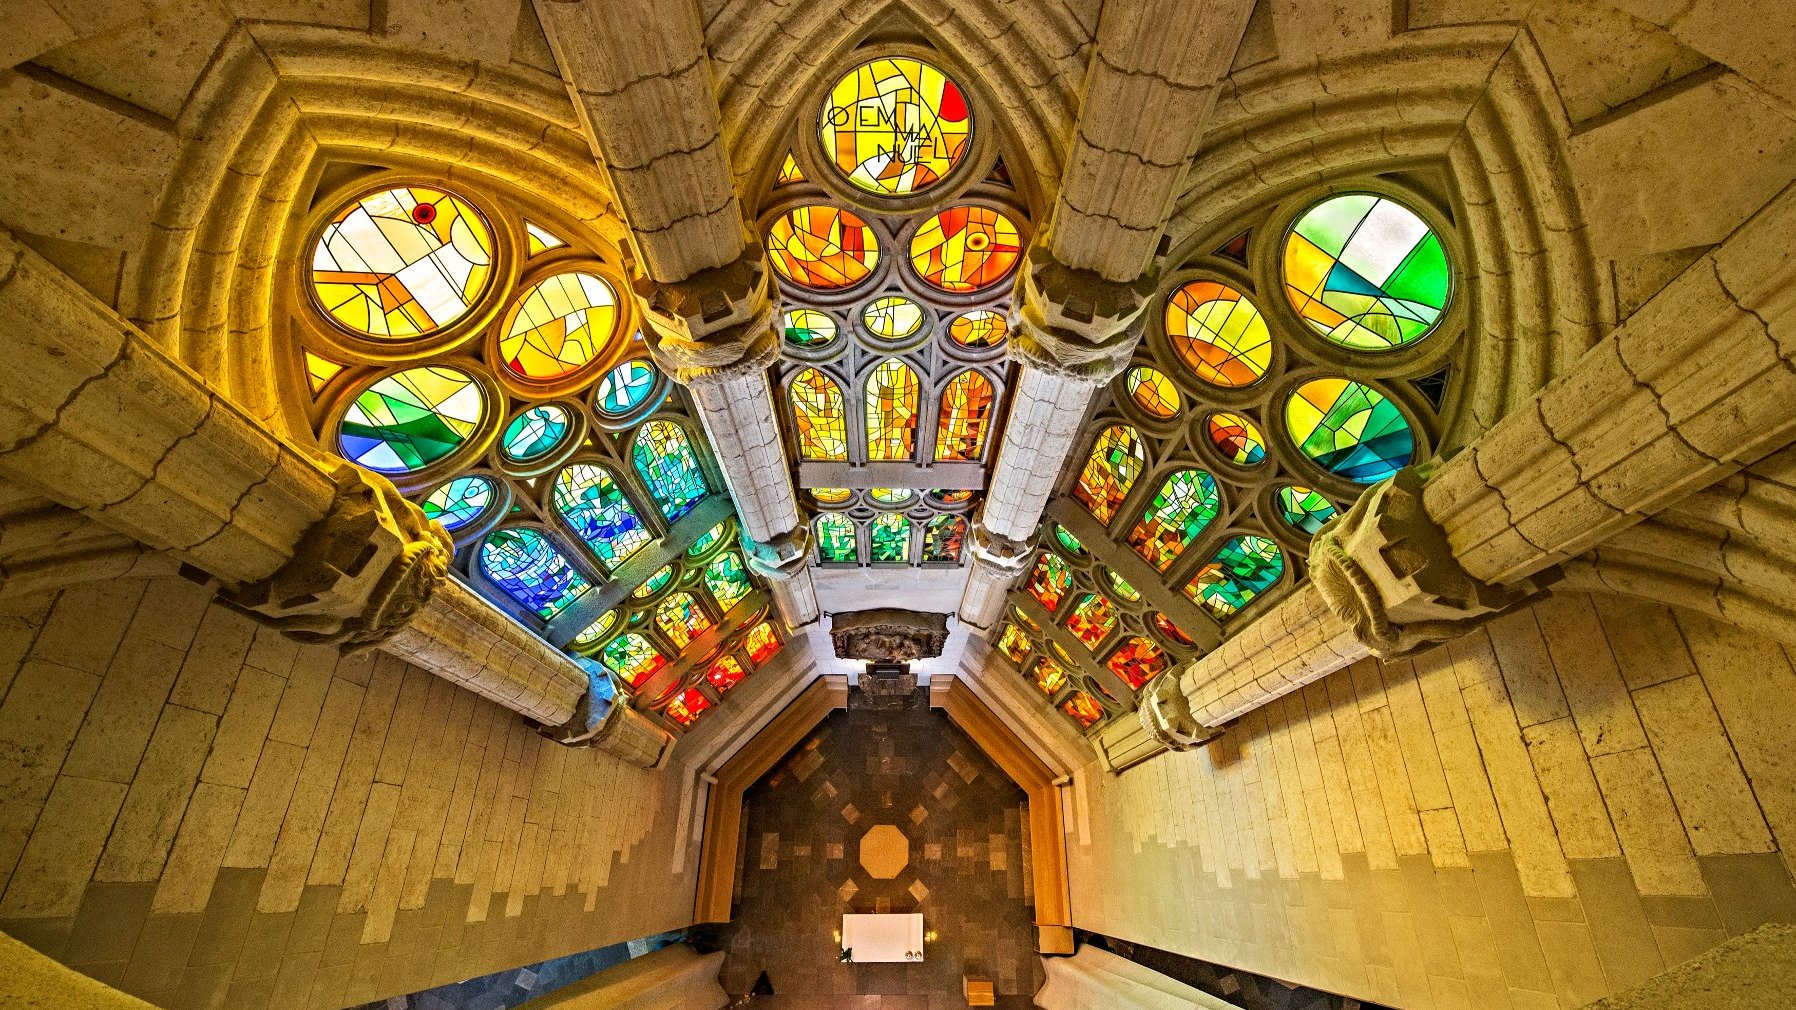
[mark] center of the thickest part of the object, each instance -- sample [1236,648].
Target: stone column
[996,563]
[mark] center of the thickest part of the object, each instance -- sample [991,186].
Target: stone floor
[803,864]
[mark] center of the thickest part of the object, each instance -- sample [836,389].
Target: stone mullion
[1156,592]
[1054,629]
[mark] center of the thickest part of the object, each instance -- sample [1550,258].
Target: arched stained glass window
[559,325]
[597,629]
[726,673]
[1110,471]
[727,580]
[1349,429]
[1366,272]
[822,248]
[653,583]
[624,388]
[835,539]
[631,657]
[1303,509]
[1218,333]
[459,502]
[890,538]
[1153,392]
[593,505]
[895,125]
[1049,580]
[401,263]
[535,433]
[1184,505]
[411,419]
[681,619]
[967,407]
[1092,621]
[1014,645]
[1245,567]
[1083,709]
[965,249]
[1233,435]
[687,706]
[664,458]
[531,571]
[943,539]
[979,328]
[762,643]
[1137,661]
[1049,676]
[809,327]
[892,392]
[820,416]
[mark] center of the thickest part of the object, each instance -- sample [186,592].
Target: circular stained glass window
[625,387]
[831,495]
[1153,392]
[1303,509]
[653,583]
[1172,631]
[534,434]
[808,327]
[402,263]
[979,328]
[890,495]
[1218,334]
[1236,438]
[895,126]
[965,249]
[1349,429]
[411,419]
[459,502]
[822,248]
[1366,272]
[558,326]
[893,317]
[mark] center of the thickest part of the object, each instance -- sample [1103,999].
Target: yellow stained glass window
[967,407]
[893,317]
[965,249]
[320,371]
[789,172]
[1218,333]
[1110,471]
[402,262]
[895,125]
[831,495]
[558,326]
[822,248]
[1050,676]
[1153,392]
[681,619]
[979,328]
[541,239]
[892,391]
[819,415]
[1083,709]
[1014,645]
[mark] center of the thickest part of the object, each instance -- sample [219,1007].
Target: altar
[883,938]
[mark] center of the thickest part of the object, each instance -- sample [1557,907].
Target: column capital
[1386,569]
[1165,713]
[999,554]
[783,557]
[1073,322]
[715,323]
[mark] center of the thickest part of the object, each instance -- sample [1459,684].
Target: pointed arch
[589,499]
[943,539]
[664,458]
[1185,504]
[889,537]
[819,416]
[968,404]
[892,392]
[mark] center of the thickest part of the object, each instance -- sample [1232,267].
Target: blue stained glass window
[624,388]
[531,571]
[459,502]
[667,464]
[596,508]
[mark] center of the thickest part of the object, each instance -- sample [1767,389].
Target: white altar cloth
[880,938]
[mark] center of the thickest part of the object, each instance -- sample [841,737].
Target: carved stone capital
[715,323]
[1165,713]
[783,557]
[998,554]
[598,708]
[1386,569]
[1073,322]
[359,574]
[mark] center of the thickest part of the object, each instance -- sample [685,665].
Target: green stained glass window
[411,419]
[808,327]
[1233,435]
[1116,460]
[653,583]
[1092,621]
[890,538]
[1123,589]
[1068,541]
[1245,567]
[1137,661]
[705,543]
[1303,509]
[596,508]
[835,539]
[624,388]
[459,502]
[1349,429]
[943,538]
[668,466]
[530,570]
[681,619]
[727,580]
[1185,504]
[1366,272]
[631,657]
[1049,580]
[597,629]
[534,433]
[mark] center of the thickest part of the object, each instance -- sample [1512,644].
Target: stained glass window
[411,419]
[1137,661]
[459,502]
[726,673]
[892,317]
[1236,438]
[762,643]
[822,248]
[808,327]
[1184,505]
[979,328]
[789,171]
[531,571]
[681,619]
[558,326]
[597,629]
[1116,460]
[596,508]
[653,583]
[967,404]
[1083,709]
[1173,631]
[965,249]
[1049,580]
[727,580]
[835,539]
[631,657]
[831,495]
[890,537]
[1366,272]
[891,411]
[1050,676]
[1024,620]
[1303,509]
[890,495]
[1218,333]
[541,239]
[819,415]
[1092,620]
[624,388]
[668,466]
[402,262]
[1153,392]
[1068,541]
[320,371]
[1129,593]
[942,496]
[1014,645]
[688,706]
[943,538]
[895,125]
[705,542]
[1349,429]
[1245,567]
[534,433]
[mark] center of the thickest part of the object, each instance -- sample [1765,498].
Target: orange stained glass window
[819,415]
[559,325]
[965,249]
[1116,460]
[1092,621]
[895,125]
[1014,645]
[966,416]
[688,706]
[1137,661]
[1049,676]
[1049,580]
[762,643]
[681,619]
[1173,631]
[822,248]
[1218,333]
[402,262]
[892,391]
[979,328]
[1153,392]
[1083,709]
[726,673]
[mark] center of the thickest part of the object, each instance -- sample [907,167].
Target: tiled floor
[802,866]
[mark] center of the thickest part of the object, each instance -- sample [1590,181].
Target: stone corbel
[716,324]
[1165,713]
[1000,556]
[606,721]
[782,558]
[1074,323]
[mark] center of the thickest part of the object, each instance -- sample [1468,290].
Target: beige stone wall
[203,813]
[1548,810]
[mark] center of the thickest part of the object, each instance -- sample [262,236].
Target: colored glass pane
[808,327]
[1050,676]
[459,502]
[664,458]
[1245,567]
[1017,615]
[1123,589]
[541,239]
[597,629]
[411,419]
[895,125]
[1366,272]
[624,388]
[558,326]
[831,495]
[892,391]
[762,643]
[402,262]
[320,371]
[1092,620]
[979,328]
[967,406]
[1014,645]
[596,508]
[1153,392]
[820,416]
[706,541]
[727,580]
[631,657]
[1173,631]
[1137,661]
[789,171]
[653,583]
[943,538]
[965,249]
[890,495]
[835,539]
[1083,709]
[892,317]
[1184,505]
[688,706]
[1303,509]
[1236,438]
[822,248]
[726,673]
[942,496]
[529,569]
[534,433]
[1116,460]
[1049,580]
[1349,429]
[1218,334]
[681,619]
[1068,541]
[890,538]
